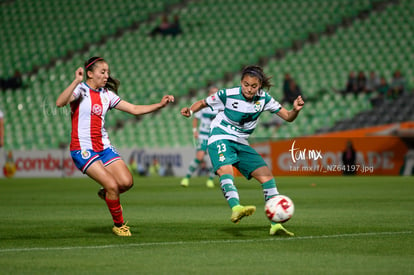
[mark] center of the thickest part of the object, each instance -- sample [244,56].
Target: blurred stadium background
[318,42]
[344,225]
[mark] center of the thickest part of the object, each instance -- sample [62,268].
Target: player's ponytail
[112,84]
[257,71]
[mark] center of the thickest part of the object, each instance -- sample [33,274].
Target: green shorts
[202,145]
[243,157]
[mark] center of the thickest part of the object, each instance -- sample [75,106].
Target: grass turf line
[343,220]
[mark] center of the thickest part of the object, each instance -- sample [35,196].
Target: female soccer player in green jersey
[238,111]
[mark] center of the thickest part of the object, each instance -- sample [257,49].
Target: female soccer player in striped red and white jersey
[90,146]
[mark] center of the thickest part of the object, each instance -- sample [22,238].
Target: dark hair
[257,71]
[112,83]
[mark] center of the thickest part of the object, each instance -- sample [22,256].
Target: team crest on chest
[257,106]
[97,109]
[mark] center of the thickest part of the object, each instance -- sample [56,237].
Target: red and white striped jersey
[88,117]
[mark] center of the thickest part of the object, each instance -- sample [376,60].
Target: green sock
[212,174]
[269,189]
[193,166]
[229,190]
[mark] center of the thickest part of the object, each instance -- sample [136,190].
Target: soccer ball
[279,209]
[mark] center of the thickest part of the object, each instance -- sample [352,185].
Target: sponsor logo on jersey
[83,92]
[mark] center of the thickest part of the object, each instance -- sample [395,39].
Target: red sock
[116,211]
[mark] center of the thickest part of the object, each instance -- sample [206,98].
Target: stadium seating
[219,38]
[38,32]
[225,39]
[381,43]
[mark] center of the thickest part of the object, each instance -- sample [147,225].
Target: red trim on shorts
[90,161]
[112,160]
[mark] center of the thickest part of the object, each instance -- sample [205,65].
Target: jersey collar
[98,91]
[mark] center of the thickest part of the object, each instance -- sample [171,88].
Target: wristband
[191,113]
[194,130]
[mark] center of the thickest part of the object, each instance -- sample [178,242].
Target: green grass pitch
[343,225]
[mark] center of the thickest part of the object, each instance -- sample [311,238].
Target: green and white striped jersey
[205,117]
[237,117]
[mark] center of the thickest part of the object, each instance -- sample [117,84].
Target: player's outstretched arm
[291,115]
[197,106]
[133,109]
[67,95]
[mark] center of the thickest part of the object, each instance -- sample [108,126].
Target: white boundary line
[351,235]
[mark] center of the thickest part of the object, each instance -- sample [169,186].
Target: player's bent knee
[125,183]
[227,169]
